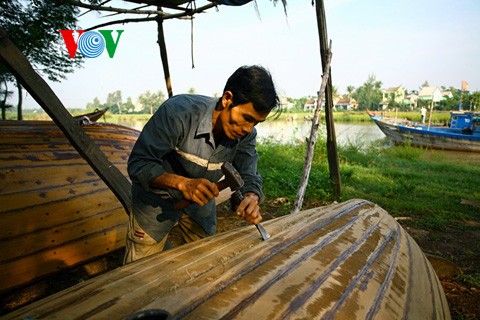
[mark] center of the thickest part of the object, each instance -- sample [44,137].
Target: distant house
[346,104]
[411,101]
[310,105]
[284,103]
[396,94]
[430,94]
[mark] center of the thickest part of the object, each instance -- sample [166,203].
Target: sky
[402,43]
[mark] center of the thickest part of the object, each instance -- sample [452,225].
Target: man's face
[239,120]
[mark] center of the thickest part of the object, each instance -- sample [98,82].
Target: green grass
[401,179]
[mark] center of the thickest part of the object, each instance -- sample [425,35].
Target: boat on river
[349,260]
[55,211]
[461,134]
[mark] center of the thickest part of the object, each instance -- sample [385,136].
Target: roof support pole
[163,54]
[332,153]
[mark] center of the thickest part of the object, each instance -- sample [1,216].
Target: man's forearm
[169,180]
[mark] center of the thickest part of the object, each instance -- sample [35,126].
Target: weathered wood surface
[55,211]
[346,261]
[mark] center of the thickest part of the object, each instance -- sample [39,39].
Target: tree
[114,101]
[425,84]
[4,94]
[350,91]
[151,101]
[95,105]
[33,26]
[128,106]
[369,95]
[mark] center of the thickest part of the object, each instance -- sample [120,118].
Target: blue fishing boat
[462,133]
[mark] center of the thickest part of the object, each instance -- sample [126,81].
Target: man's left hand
[249,208]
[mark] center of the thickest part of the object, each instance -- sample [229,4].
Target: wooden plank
[55,158]
[31,217]
[29,200]
[18,272]
[59,235]
[15,180]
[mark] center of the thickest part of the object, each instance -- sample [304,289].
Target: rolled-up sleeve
[158,137]
[246,159]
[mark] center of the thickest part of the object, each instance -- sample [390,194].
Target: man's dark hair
[253,84]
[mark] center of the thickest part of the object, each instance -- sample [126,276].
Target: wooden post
[331,139]
[430,115]
[163,54]
[16,62]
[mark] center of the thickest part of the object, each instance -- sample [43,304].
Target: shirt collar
[205,125]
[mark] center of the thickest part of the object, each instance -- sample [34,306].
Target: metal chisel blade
[262,231]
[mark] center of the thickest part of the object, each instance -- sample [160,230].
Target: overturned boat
[344,261]
[55,211]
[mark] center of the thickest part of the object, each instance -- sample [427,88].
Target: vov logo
[91,44]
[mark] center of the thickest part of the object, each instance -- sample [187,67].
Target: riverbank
[339,116]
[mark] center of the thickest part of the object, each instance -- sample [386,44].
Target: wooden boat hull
[88,118]
[346,261]
[55,211]
[435,137]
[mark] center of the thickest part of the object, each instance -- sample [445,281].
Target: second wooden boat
[55,211]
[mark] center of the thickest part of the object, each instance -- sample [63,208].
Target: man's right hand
[201,191]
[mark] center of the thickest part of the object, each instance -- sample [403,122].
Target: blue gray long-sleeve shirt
[183,124]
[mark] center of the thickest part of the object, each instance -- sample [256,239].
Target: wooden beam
[16,62]
[163,55]
[332,153]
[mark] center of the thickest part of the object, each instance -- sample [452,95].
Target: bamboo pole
[297,206]
[332,154]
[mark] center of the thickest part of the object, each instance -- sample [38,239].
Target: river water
[287,131]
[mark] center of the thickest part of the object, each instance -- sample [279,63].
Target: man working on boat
[179,155]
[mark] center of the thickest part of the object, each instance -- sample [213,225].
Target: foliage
[33,26]
[369,95]
[114,101]
[149,102]
[95,105]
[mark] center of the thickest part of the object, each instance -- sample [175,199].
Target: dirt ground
[452,252]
